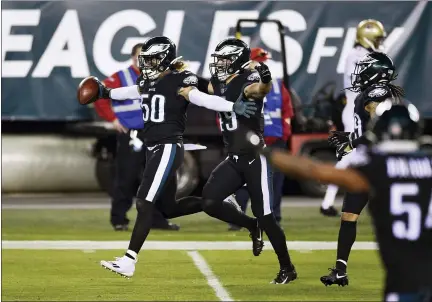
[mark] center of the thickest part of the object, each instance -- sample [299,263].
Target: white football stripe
[212,280]
[172,245]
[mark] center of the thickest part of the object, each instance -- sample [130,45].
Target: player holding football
[399,174]
[232,80]
[372,79]
[164,114]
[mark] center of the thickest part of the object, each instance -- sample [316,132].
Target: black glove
[264,73]
[246,109]
[343,149]
[339,137]
[104,93]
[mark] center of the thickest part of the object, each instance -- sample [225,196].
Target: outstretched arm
[124,93]
[257,91]
[303,167]
[216,103]
[212,102]
[118,94]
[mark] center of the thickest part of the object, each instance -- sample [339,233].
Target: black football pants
[234,172]
[129,165]
[354,202]
[159,182]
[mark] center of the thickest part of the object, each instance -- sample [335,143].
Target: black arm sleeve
[362,140]
[203,84]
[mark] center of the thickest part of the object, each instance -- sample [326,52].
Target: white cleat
[123,266]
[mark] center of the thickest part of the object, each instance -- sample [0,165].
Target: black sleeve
[203,84]
[252,76]
[188,79]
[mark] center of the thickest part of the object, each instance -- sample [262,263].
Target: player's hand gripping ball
[88,90]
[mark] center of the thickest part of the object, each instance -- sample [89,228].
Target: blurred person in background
[278,112]
[399,173]
[370,36]
[126,118]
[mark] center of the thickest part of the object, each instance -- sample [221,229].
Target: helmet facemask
[222,67]
[376,44]
[152,61]
[358,78]
[224,62]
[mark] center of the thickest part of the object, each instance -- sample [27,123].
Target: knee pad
[143,205]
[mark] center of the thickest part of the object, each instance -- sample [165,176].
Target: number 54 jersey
[234,128]
[164,111]
[401,208]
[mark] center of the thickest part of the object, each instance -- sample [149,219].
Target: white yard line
[174,245]
[100,206]
[212,280]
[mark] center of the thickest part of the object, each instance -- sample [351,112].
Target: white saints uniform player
[370,36]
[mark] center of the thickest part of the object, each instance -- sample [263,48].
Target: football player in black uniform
[233,81]
[164,114]
[398,175]
[372,78]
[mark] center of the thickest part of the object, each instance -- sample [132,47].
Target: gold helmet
[370,34]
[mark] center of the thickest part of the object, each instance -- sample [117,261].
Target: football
[88,91]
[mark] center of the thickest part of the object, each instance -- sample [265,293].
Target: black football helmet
[373,68]
[156,56]
[230,57]
[394,122]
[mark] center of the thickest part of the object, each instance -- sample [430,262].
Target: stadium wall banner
[49,47]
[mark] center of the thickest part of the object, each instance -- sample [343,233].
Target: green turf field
[299,224]
[172,275]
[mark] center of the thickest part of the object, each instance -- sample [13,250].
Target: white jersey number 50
[156,111]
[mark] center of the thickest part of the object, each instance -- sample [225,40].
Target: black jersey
[401,209]
[164,111]
[374,93]
[234,128]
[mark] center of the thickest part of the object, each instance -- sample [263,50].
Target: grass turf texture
[304,224]
[171,275]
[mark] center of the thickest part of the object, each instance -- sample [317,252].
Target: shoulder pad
[190,79]
[378,92]
[254,76]
[140,81]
